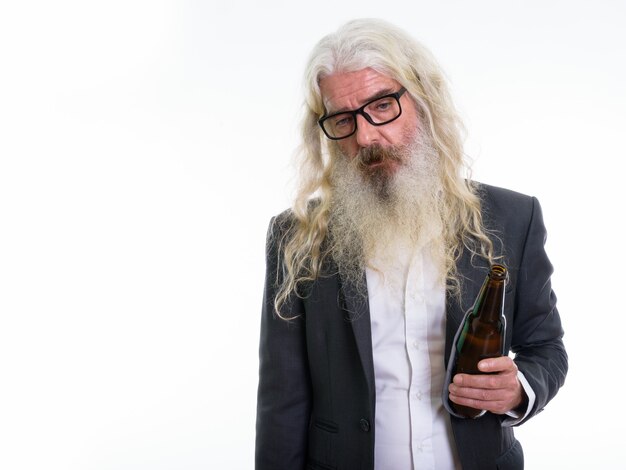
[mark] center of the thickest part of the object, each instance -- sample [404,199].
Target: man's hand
[499,392]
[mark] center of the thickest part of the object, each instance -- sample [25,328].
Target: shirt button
[416,345]
[418,395]
[365,425]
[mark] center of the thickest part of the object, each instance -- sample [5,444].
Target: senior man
[370,272]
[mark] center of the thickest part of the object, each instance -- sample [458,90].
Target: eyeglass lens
[379,111]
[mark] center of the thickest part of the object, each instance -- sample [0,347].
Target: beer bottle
[483,331]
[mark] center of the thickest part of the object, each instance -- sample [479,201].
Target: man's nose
[366,133]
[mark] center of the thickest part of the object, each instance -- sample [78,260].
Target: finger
[475,395]
[482,394]
[494,406]
[484,381]
[498,364]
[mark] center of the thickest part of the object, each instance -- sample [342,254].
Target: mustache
[376,154]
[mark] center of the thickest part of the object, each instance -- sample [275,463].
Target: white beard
[377,215]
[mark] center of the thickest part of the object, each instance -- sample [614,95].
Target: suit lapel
[355,302]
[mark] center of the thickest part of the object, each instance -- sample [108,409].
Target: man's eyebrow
[375,96]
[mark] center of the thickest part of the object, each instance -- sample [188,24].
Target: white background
[144,146]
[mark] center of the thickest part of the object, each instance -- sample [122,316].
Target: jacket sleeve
[537,334]
[284,393]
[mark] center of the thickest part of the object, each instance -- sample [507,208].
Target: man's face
[349,91]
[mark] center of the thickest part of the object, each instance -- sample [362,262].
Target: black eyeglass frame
[362,112]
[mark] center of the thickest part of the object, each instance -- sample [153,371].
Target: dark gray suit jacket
[316,397]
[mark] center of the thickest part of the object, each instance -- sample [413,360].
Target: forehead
[348,90]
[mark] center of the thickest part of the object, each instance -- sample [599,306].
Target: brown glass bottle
[483,331]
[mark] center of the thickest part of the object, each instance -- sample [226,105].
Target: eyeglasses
[378,112]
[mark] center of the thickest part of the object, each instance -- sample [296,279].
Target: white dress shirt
[407,311]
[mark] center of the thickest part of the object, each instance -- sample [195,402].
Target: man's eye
[343,121]
[383,105]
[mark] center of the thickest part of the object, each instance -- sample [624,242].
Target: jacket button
[365,425]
